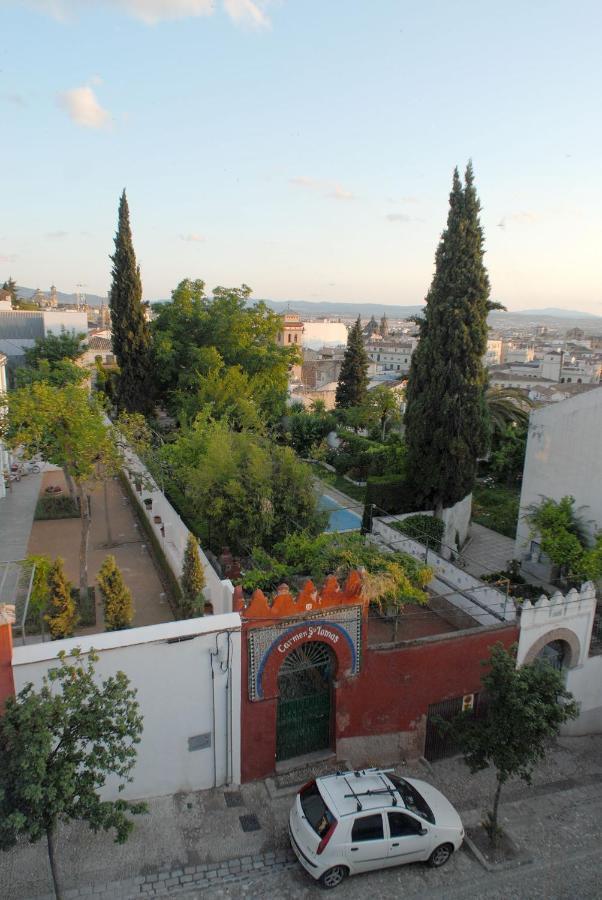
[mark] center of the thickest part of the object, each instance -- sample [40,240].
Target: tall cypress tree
[447,426]
[352,387]
[131,336]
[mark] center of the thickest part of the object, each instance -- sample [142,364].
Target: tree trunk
[51,839]
[384,427]
[493,835]
[84,515]
[105,486]
[70,485]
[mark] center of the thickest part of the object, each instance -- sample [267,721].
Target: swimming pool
[340,519]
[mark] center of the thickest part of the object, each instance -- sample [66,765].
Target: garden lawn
[496,506]
[341,484]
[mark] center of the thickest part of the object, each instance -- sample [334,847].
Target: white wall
[541,622]
[57,320]
[564,456]
[173,543]
[170,666]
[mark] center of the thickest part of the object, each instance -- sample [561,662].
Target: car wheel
[333,877]
[440,855]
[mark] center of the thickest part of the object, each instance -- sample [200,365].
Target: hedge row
[424,529]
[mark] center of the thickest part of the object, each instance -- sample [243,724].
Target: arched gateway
[304,720]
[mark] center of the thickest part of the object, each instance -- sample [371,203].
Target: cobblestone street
[193,846]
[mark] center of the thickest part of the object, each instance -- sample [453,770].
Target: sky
[303,147]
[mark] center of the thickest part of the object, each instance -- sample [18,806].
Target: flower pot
[157,520]
[148,502]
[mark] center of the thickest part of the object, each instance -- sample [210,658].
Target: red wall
[391,693]
[396,687]
[7,685]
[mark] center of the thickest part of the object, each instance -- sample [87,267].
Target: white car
[354,822]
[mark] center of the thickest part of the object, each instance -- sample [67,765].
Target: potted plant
[148,502]
[157,520]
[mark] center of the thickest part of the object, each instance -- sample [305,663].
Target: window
[296,336]
[289,338]
[315,810]
[412,799]
[368,828]
[401,825]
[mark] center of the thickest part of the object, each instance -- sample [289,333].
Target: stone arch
[295,637]
[556,634]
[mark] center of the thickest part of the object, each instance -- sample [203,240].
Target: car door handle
[395,845]
[354,849]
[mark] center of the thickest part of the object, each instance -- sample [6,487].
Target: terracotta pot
[157,520]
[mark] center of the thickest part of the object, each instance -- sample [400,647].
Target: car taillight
[323,843]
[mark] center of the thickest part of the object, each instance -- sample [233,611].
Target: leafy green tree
[62,616]
[58,746]
[66,426]
[235,487]
[131,336]
[58,373]
[507,459]
[193,580]
[447,427]
[223,351]
[525,707]
[386,406]
[564,538]
[352,386]
[11,287]
[40,588]
[307,428]
[54,348]
[116,597]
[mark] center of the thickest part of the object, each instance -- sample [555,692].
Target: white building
[564,457]
[389,356]
[324,333]
[495,354]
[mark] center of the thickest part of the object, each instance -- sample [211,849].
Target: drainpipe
[7,683]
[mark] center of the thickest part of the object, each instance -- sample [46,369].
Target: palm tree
[507,406]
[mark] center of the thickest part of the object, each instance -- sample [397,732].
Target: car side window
[401,825]
[368,828]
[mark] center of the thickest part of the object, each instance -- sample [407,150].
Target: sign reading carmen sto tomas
[340,628]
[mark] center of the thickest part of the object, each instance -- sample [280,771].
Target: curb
[521,859]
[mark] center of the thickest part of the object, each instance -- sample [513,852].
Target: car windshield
[413,801]
[315,810]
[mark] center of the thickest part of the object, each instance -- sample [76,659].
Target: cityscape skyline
[307,153]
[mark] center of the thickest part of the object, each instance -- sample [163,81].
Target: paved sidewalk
[16,517]
[193,844]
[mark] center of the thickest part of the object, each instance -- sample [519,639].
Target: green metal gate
[304,702]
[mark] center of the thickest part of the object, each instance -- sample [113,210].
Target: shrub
[61,507]
[424,529]
[193,580]
[390,494]
[117,599]
[62,614]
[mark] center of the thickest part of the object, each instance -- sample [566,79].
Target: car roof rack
[353,794]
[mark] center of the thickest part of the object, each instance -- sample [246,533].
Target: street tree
[131,336]
[58,746]
[62,615]
[447,426]
[352,386]
[193,580]
[116,597]
[66,426]
[386,407]
[525,707]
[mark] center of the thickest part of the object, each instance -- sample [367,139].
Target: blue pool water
[340,519]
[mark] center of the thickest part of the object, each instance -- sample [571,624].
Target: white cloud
[243,12]
[398,217]
[83,107]
[327,188]
[195,238]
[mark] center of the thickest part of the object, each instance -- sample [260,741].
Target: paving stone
[190,870]
[185,878]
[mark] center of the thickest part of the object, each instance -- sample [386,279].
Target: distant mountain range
[344,308]
[91,299]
